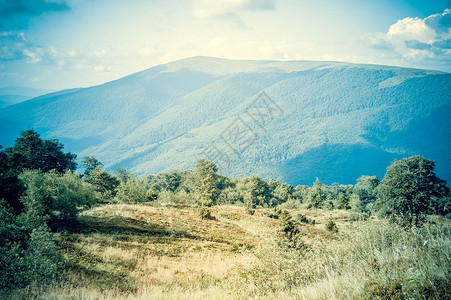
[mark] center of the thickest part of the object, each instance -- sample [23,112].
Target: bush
[28,254]
[205,213]
[178,199]
[355,217]
[303,219]
[250,211]
[131,191]
[289,236]
[331,226]
[56,196]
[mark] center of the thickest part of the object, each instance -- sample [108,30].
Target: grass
[148,252]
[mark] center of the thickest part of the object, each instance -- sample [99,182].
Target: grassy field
[155,252]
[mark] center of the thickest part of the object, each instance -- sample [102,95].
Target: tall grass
[375,259]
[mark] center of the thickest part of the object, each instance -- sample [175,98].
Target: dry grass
[145,252]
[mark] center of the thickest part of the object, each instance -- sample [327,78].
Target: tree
[281,193]
[131,191]
[256,192]
[289,235]
[122,174]
[27,251]
[90,163]
[317,195]
[206,182]
[55,196]
[30,152]
[365,188]
[10,186]
[103,182]
[343,202]
[409,190]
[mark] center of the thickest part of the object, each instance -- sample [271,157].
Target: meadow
[155,251]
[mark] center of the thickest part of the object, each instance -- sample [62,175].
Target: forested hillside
[337,121]
[198,234]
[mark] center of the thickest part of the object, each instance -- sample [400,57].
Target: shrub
[205,213]
[131,191]
[250,211]
[303,219]
[28,254]
[56,196]
[289,236]
[331,226]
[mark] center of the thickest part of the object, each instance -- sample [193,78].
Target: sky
[60,44]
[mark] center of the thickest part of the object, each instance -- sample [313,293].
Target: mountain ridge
[163,118]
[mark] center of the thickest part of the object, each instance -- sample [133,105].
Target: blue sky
[58,44]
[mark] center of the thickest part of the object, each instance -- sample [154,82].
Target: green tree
[30,152]
[299,192]
[365,188]
[409,190]
[131,191]
[28,253]
[256,192]
[122,174]
[317,195]
[343,202]
[55,196]
[206,182]
[90,163]
[103,182]
[282,193]
[289,235]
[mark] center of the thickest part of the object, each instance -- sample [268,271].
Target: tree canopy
[409,190]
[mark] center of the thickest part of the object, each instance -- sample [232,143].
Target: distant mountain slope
[336,120]
[15,94]
[7,100]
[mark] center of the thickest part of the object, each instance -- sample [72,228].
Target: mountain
[15,94]
[331,120]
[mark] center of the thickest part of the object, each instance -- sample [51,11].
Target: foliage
[206,182]
[56,196]
[281,194]
[179,199]
[343,202]
[131,191]
[30,152]
[103,182]
[171,181]
[256,192]
[289,235]
[366,190]
[90,164]
[331,226]
[122,174]
[28,254]
[205,213]
[409,190]
[303,219]
[250,211]
[317,195]
[151,195]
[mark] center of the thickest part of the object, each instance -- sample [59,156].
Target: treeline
[41,193]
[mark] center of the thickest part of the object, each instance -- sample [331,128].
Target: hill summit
[291,120]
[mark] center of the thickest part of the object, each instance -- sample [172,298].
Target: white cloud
[417,40]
